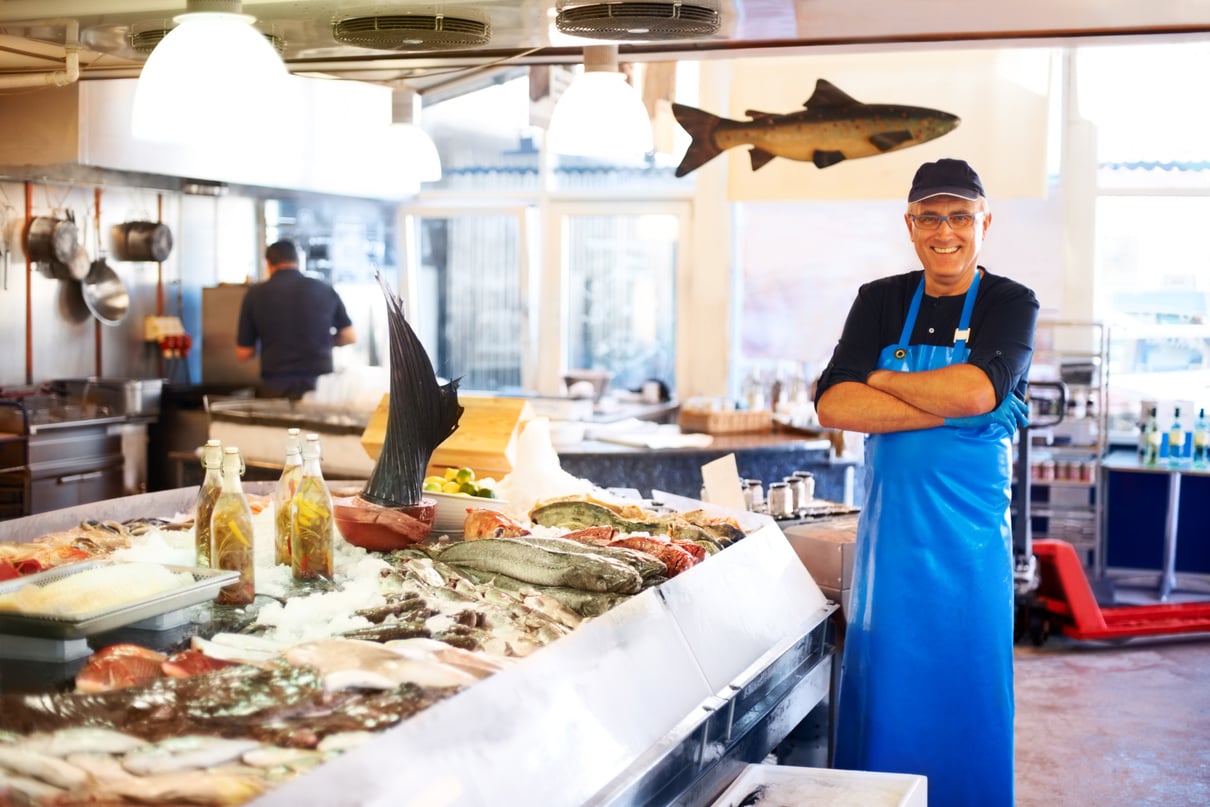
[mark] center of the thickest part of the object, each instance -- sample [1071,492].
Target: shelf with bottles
[1171,440]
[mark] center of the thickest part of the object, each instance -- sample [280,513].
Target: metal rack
[1065,494]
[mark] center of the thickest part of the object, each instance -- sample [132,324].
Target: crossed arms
[891,401]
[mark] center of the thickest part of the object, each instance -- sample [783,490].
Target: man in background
[297,320]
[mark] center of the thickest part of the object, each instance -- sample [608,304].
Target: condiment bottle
[1152,440]
[781,500]
[311,548]
[283,497]
[231,533]
[212,483]
[756,496]
[808,486]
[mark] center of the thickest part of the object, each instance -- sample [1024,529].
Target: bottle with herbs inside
[283,497]
[212,482]
[311,548]
[231,533]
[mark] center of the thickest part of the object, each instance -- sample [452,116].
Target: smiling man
[932,365]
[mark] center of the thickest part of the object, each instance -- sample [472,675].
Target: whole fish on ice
[832,127]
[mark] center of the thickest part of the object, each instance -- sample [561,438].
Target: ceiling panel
[33,32]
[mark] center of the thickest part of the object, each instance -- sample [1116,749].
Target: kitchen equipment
[204,587]
[1064,603]
[597,380]
[105,294]
[56,452]
[52,240]
[131,397]
[142,241]
[78,266]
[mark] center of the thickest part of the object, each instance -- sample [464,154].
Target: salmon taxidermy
[832,127]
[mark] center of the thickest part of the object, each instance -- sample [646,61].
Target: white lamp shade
[212,77]
[600,115]
[408,144]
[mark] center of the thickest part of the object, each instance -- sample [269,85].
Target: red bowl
[383,529]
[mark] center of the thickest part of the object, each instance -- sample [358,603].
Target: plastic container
[824,787]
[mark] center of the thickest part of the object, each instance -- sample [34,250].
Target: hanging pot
[142,241]
[51,240]
[105,294]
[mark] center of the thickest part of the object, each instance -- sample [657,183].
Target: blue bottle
[1201,440]
[1176,440]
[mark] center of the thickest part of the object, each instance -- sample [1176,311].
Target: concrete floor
[1097,724]
[1107,725]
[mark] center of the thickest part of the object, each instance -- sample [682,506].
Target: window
[1152,264]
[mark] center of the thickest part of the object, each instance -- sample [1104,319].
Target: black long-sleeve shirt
[1001,329]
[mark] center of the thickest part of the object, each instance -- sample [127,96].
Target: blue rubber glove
[1012,414]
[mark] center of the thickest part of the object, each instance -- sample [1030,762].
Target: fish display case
[664,699]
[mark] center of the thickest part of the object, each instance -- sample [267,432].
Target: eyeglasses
[958,221]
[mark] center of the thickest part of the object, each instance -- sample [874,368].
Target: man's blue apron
[926,680]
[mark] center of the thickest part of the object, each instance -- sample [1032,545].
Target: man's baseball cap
[945,178]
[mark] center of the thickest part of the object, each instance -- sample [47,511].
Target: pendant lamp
[409,143]
[600,114]
[214,77]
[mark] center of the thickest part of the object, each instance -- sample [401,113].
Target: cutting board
[485,441]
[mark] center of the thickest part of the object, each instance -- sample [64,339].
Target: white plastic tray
[789,786]
[205,586]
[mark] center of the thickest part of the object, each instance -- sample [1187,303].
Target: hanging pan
[142,241]
[105,294]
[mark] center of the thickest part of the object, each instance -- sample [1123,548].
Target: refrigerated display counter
[664,699]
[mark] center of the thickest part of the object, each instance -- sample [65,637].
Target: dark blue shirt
[293,317]
[1001,340]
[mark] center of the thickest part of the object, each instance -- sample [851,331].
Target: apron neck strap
[964,322]
[905,338]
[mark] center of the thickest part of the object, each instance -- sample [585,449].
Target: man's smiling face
[948,255]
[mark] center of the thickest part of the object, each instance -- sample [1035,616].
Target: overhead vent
[647,21]
[145,36]
[412,32]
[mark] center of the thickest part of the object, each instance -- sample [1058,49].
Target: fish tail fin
[700,125]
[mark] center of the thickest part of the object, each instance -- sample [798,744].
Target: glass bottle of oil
[283,498]
[311,550]
[212,482]
[1152,440]
[231,533]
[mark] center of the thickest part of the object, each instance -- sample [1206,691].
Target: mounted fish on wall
[833,127]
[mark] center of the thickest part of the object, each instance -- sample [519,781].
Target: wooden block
[485,441]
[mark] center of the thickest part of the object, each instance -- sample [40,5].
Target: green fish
[832,127]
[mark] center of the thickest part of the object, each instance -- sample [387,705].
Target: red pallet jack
[1064,601]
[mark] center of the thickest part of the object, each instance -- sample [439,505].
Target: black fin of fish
[823,159]
[700,125]
[828,94]
[756,114]
[885,141]
[760,158]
